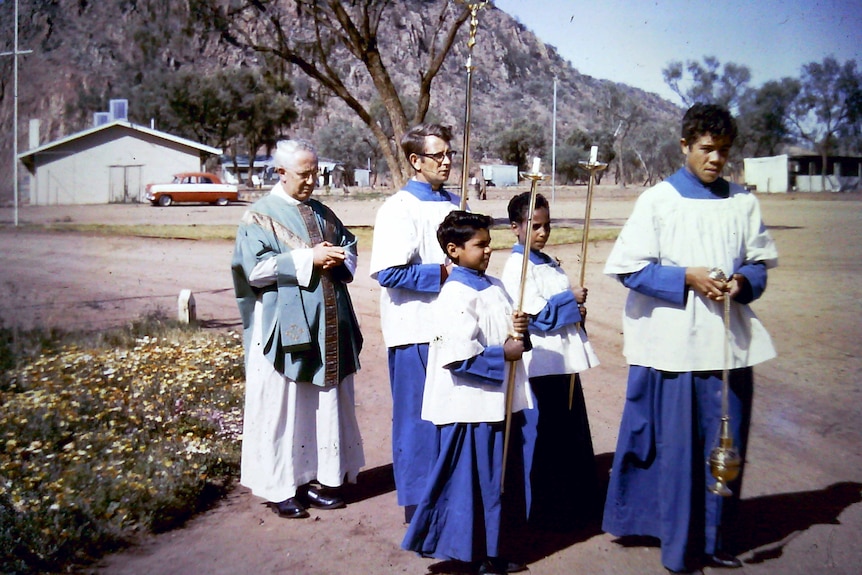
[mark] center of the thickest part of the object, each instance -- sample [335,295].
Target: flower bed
[104,440]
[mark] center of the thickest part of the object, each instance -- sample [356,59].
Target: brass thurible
[724,459]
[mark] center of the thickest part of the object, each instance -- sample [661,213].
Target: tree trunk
[824,156]
[308,33]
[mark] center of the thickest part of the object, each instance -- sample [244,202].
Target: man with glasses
[291,265]
[407,262]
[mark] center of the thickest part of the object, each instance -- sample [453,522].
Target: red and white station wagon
[201,187]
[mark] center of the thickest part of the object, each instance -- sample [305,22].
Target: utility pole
[15,53]
[554,147]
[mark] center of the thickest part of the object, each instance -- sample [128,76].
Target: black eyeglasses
[438,157]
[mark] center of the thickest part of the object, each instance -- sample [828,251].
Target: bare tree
[764,117]
[622,115]
[656,146]
[706,84]
[330,40]
[829,104]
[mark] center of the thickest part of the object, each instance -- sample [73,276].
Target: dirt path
[802,496]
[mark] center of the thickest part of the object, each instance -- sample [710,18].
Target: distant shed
[111,163]
[842,173]
[803,173]
[769,174]
[499,174]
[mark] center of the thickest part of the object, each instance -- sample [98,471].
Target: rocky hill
[85,53]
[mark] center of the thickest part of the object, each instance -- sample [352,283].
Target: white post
[186,308]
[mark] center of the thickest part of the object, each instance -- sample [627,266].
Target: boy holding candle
[469,361]
[564,488]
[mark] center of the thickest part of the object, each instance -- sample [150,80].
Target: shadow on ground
[369,484]
[768,522]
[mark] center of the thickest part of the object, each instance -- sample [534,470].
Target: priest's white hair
[286,151]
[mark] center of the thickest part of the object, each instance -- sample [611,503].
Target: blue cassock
[564,488]
[461,510]
[415,443]
[660,475]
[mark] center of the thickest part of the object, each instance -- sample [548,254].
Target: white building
[769,174]
[803,173]
[499,174]
[110,163]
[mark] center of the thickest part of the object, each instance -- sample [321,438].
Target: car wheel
[165,201]
[222,202]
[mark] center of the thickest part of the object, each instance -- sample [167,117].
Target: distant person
[291,265]
[477,337]
[409,265]
[563,482]
[674,342]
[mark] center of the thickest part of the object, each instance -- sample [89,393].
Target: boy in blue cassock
[460,512]
[564,488]
[674,339]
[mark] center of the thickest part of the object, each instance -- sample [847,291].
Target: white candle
[594,154]
[537,164]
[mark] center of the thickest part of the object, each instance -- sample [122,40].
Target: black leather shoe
[723,559]
[319,499]
[500,566]
[289,509]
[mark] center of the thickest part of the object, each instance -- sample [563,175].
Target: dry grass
[501,237]
[189,232]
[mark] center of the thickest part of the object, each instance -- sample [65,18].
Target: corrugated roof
[119,123]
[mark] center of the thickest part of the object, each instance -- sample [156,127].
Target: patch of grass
[501,236]
[185,232]
[105,436]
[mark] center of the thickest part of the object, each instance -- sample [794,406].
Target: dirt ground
[801,501]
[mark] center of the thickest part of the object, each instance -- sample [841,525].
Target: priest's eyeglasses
[301,175]
[439,156]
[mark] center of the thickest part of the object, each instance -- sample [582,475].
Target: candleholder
[534,176]
[593,166]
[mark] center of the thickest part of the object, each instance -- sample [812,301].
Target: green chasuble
[310,334]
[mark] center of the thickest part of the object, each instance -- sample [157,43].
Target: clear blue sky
[631,41]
